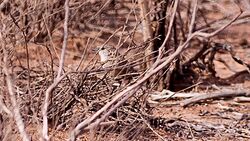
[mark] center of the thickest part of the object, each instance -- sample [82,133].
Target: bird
[111,59]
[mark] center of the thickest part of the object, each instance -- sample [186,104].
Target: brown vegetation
[182,53]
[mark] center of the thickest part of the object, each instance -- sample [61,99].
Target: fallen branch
[223,94]
[166,94]
[242,99]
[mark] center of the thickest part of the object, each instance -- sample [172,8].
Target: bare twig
[101,9]
[59,77]
[191,27]
[4,107]
[46,105]
[161,49]
[65,39]
[16,112]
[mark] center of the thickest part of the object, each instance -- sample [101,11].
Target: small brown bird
[112,60]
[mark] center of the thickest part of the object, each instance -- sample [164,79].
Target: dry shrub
[31,32]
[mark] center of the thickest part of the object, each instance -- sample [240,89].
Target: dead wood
[223,94]
[242,99]
[169,94]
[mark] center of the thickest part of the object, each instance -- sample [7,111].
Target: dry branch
[4,107]
[48,94]
[65,39]
[166,94]
[242,99]
[16,111]
[58,78]
[191,27]
[223,94]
